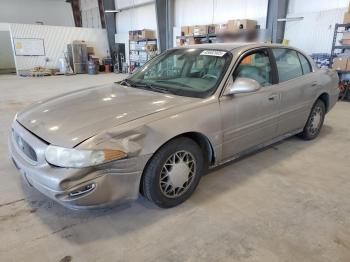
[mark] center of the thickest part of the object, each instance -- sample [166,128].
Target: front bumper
[77,188]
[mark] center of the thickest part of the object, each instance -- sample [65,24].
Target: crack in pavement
[12,202]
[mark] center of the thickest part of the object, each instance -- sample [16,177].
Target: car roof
[234,45]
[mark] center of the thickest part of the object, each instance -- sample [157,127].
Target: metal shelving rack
[344,84]
[335,46]
[135,63]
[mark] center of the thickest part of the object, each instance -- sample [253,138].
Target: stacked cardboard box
[242,24]
[347,16]
[141,34]
[231,26]
[341,63]
[346,39]
[200,30]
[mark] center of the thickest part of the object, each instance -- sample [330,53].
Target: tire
[312,129]
[178,162]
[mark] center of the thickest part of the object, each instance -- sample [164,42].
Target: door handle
[315,83]
[273,97]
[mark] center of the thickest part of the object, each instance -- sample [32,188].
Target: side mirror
[242,85]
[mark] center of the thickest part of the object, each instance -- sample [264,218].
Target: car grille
[25,147]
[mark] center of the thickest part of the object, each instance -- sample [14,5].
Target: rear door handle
[315,83]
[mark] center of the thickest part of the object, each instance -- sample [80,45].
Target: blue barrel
[92,69]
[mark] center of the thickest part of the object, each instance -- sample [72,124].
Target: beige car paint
[139,122]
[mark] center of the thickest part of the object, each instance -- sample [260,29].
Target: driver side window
[255,66]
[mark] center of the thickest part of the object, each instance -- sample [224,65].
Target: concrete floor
[290,202]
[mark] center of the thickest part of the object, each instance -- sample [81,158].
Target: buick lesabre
[158,131]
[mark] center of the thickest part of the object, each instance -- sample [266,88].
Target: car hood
[69,119]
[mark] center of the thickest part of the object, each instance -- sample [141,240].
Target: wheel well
[204,144]
[325,99]
[201,140]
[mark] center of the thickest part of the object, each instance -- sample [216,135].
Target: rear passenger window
[304,64]
[288,64]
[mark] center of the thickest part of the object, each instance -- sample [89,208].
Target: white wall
[311,6]
[6,56]
[314,34]
[143,17]
[196,12]
[56,39]
[136,18]
[50,12]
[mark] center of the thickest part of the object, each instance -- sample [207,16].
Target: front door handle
[273,97]
[315,83]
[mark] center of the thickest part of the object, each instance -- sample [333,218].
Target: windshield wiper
[131,83]
[127,82]
[153,88]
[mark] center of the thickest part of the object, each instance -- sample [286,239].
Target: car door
[296,80]
[250,119]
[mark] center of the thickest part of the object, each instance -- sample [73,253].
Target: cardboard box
[346,18]
[200,30]
[141,34]
[90,50]
[185,30]
[345,42]
[133,35]
[340,63]
[242,24]
[346,35]
[147,34]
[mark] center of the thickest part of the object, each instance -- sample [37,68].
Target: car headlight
[68,157]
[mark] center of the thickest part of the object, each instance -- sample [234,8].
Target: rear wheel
[173,173]
[315,122]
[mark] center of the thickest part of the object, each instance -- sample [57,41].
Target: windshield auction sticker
[213,53]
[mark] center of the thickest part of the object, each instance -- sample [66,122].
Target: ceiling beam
[76,12]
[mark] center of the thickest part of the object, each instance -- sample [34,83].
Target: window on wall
[288,64]
[255,66]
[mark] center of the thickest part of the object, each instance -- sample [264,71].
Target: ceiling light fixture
[112,11]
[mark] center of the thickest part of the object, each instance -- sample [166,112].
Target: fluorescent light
[290,19]
[112,11]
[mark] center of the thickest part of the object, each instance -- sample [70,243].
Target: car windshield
[186,72]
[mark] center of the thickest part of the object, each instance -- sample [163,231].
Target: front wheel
[173,173]
[315,122]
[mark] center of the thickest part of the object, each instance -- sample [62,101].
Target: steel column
[165,23]
[276,9]
[111,26]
